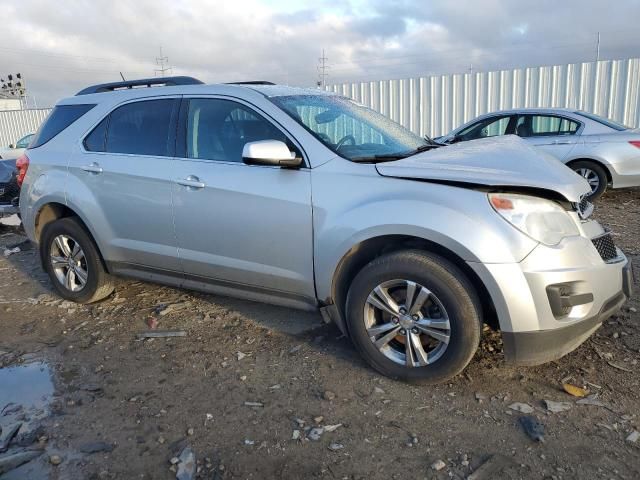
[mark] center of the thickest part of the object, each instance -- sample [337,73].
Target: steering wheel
[345,139]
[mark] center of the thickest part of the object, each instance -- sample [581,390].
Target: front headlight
[543,220]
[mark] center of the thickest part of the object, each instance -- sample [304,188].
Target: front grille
[605,246]
[8,191]
[584,208]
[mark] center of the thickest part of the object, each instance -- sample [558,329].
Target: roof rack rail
[251,82]
[143,82]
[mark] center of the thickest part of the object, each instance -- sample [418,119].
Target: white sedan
[601,150]
[14,150]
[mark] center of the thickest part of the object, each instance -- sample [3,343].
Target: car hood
[498,162]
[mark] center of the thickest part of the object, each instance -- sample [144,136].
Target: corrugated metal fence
[15,124]
[436,104]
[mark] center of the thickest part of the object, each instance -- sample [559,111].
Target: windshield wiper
[386,157]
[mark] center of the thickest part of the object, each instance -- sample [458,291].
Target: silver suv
[307,199]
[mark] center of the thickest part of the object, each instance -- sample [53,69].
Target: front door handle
[560,142]
[92,168]
[191,181]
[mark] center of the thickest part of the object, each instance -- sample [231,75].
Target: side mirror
[270,152]
[12,145]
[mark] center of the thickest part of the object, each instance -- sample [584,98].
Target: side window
[96,140]
[545,125]
[141,128]
[24,141]
[219,129]
[491,127]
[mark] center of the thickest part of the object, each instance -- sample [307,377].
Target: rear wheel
[72,260]
[414,315]
[594,174]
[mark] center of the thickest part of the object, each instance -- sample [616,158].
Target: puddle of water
[25,393]
[29,385]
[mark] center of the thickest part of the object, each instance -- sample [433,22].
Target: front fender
[350,210]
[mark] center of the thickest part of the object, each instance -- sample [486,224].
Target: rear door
[554,134]
[127,165]
[238,225]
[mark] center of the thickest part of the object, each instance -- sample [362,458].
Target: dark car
[9,190]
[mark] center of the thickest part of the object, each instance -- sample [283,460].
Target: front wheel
[71,258]
[594,174]
[414,316]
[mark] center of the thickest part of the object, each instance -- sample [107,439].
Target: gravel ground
[263,392]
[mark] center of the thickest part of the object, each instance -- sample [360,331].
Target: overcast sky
[61,46]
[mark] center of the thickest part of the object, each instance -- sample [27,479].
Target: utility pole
[322,70]
[598,48]
[161,61]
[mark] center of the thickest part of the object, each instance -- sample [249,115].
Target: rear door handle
[191,181]
[93,168]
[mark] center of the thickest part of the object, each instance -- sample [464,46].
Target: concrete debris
[248,442]
[295,435]
[521,407]
[253,404]
[557,407]
[186,465]
[335,447]
[633,437]
[315,433]
[240,355]
[438,465]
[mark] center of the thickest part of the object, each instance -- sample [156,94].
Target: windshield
[351,130]
[604,121]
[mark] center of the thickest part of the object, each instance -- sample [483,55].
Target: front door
[240,226]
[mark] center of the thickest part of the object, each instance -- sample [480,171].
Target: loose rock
[438,465]
[633,437]
[557,407]
[55,460]
[521,407]
[328,395]
[533,428]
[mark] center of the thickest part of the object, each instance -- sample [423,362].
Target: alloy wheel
[590,176]
[69,263]
[407,323]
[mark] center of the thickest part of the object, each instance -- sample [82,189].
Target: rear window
[60,118]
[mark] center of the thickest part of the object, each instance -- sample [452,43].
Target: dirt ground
[102,403]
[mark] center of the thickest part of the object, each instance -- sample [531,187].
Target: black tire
[452,289]
[99,284]
[585,166]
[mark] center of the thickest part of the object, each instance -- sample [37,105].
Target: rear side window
[140,128]
[60,118]
[545,125]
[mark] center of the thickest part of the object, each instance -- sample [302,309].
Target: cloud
[60,47]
